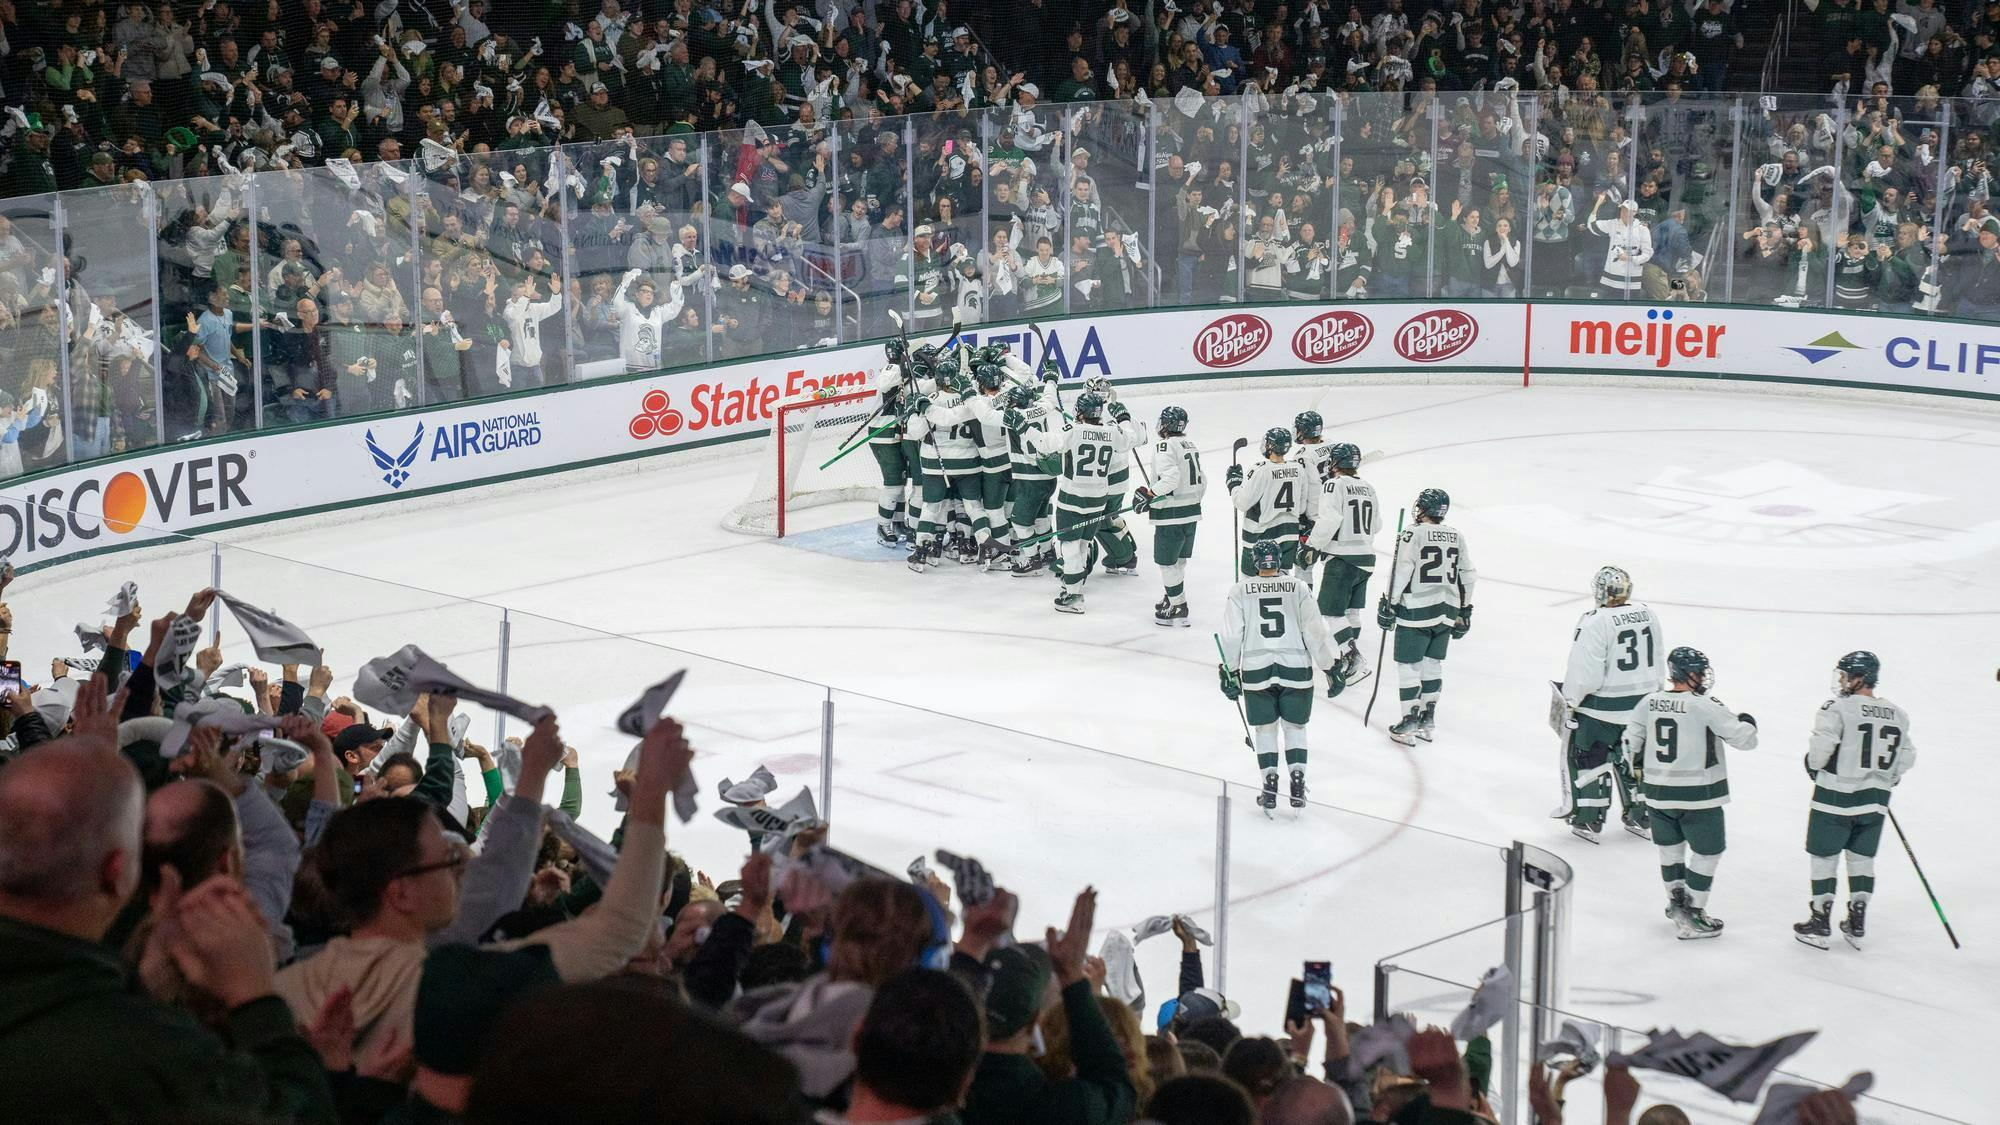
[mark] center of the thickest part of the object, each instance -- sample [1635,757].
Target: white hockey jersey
[1675,738]
[1345,523]
[1617,655]
[1093,456]
[1434,576]
[1313,456]
[1272,633]
[1178,483]
[1860,749]
[1036,419]
[888,392]
[955,429]
[1273,497]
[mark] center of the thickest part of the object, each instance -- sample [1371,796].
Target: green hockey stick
[1047,535]
[1383,647]
[871,435]
[1239,695]
[1935,905]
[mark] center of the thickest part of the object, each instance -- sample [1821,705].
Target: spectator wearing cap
[75,1042]
[740,316]
[1008,1088]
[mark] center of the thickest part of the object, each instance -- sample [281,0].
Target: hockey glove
[1746,717]
[1464,625]
[1385,614]
[1335,682]
[1307,556]
[1013,420]
[1806,760]
[1050,374]
[1142,499]
[1118,412]
[1232,686]
[1234,476]
[921,406]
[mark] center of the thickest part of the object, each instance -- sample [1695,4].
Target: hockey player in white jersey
[1173,504]
[1272,497]
[1860,750]
[1429,604]
[1615,658]
[1031,485]
[990,383]
[1676,737]
[1272,638]
[1093,450]
[953,471]
[891,526]
[1310,450]
[1343,534]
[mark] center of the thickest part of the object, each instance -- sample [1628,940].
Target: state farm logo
[1332,336]
[1433,336]
[1234,340]
[656,418]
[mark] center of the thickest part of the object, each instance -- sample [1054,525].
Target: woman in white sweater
[1502,254]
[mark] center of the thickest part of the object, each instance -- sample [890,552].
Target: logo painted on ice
[1232,341]
[656,417]
[1332,336]
[395,469]
[1437,335]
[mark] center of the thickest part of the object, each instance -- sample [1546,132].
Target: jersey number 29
[1090,460]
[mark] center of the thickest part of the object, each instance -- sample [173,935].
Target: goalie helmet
[1173,422]
[1308,424]
[1264,555]
[1277,442]
[1345,455]
[988,376]
[1433,502]
[1689,666]
[1021,398]
[1090,406]
[1858,665]
[1611,584]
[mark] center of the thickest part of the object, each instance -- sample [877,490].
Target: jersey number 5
[1272,613]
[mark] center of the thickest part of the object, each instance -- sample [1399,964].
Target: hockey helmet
[896,349]
[1277,442]
[1090,406]
[1689,666]
[928,353]
[1021,398]
[1611,584]
[1308,424]
[1344,455]
[1859,665]
[1264,555]
[988,376]
[1433,502]
[1173,422]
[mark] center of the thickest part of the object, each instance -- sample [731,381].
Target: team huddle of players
[982,463]
[1663,749]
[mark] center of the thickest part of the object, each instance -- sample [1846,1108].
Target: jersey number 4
[1433,558]
[1629,659]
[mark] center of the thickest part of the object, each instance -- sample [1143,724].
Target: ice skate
[1854,927]
[1268,799]
[1171,615]
[885,536]
[1589,834]
[1355,666]
[1128,569]
[1815,930]
[1298,789]
[1027,566]
[998,556]
[1677,900]
[1069,602]
[1405,729]
[919,558]
[1427,725]
[1693,924]
[1636,822]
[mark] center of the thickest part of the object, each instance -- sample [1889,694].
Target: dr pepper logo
[1232,341]
[1332,336]
[1437,335]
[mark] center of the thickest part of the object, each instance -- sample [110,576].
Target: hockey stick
[871,436]
[1048,535]
[1388,591]
[1920,878]
[1239,694]
[1235,513]
[1043,342]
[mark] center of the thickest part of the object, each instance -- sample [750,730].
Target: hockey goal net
[805,434]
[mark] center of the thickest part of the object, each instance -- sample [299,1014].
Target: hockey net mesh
[805,433]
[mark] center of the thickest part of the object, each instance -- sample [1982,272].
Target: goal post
[805,433]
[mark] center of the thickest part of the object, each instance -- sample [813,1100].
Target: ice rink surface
[1774,533]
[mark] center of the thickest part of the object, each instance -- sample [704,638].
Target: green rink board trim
[1217,376]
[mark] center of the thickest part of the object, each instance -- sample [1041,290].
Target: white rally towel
[1575,1041]
[1781,1102]
[391,684]
[1735,1072]
[1490,1003]
[642,716]
[225,715]
[170,666]
[597,857]
[1386,1042]
[124,601]
[276,640]
[776,825]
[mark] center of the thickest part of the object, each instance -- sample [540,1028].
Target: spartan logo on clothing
[396,469]
[648,340]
